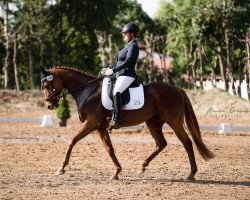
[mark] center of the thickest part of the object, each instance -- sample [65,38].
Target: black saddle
[125,95]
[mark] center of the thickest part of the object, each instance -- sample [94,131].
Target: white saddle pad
[136,97]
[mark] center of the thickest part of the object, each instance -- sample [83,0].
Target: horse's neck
[74,82]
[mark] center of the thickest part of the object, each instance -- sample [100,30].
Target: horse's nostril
[49,107]
[56,105]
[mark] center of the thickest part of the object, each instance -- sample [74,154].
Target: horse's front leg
[104,135]
[86,128]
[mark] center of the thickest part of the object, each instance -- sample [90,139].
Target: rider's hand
[109,72]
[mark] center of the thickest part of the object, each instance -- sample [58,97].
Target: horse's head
[52,87]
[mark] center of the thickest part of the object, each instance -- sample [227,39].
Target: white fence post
[47,121]
[244,90]
[225,128]
[230,88]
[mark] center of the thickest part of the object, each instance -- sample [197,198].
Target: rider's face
[126,36]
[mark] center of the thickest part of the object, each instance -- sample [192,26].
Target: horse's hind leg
[104,135]
[187,143]
[155,127]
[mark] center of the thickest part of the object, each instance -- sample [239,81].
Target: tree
[63,112]
[131,11]
[207,30]
[223,27]
[182,37]
[15,62]
[53,33]
[5,5]
[105,48]
[73,24]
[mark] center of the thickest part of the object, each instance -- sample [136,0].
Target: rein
[81,86]
[56,95]
[55,92]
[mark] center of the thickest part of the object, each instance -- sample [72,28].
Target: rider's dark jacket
[126,60]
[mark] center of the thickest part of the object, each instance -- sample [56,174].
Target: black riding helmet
[131,28]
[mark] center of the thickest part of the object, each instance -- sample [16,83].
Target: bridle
[56,95]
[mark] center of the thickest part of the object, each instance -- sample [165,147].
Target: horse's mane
[75,70]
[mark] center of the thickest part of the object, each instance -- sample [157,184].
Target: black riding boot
[117,102]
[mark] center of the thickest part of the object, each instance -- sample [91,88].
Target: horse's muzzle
[52,105]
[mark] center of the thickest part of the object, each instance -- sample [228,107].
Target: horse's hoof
[190,178]
[142,171]
[115,177]
[60,171]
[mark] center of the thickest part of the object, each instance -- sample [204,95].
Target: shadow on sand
[205,182]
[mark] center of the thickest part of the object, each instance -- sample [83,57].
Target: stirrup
[112,123]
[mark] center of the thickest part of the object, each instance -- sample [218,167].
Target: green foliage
[62,32]
[56,33]
[205,25]
[129,11]
[63,111]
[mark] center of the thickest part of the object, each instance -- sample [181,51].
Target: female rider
[124,68]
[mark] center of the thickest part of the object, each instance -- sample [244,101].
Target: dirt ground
[30,155]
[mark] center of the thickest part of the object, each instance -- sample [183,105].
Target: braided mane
[75,70]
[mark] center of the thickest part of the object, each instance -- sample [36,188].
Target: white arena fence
[47,121]
[221,129]
[236,88]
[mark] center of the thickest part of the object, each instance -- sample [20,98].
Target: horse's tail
[194,129]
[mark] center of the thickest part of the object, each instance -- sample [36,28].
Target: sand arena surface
[30,155]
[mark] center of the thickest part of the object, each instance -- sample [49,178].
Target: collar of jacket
[131,42]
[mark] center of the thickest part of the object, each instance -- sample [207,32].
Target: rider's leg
[117,109]
[121,84]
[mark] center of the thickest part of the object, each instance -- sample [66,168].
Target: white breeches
[122,83]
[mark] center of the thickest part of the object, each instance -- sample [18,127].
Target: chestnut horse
[163,104]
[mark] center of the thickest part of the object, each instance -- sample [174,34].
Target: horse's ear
[43,70]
